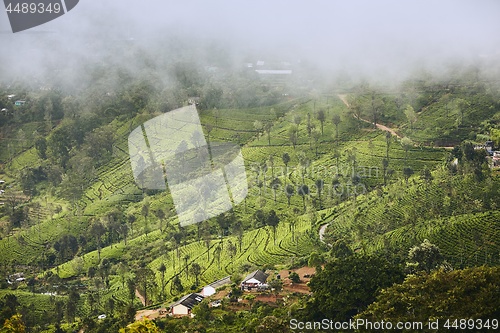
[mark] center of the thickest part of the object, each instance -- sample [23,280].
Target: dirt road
[343,98]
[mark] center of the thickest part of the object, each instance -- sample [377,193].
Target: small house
[194,100]
[19,103]
[210,289]
[254,281]
[185,305]
[488,146]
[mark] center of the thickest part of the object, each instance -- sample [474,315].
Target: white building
[254,281]
[184,306]
[210,289]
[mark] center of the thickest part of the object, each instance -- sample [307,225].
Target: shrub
[294,277]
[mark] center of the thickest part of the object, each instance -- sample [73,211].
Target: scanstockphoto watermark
[412,326]
[205,179]
[26,14]
[342,181]
[319,171]
[354,325]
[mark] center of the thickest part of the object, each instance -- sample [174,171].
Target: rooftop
[189,301]
[221,282]
[258,275]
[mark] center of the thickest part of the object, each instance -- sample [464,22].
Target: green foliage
[140,327]
[294,277]
[424,257]
[340,298]
[469,293]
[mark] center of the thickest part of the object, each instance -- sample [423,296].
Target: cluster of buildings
[19,102]
[493,155]
[255,281]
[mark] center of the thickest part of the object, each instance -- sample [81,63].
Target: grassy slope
[385,220]
[114,186]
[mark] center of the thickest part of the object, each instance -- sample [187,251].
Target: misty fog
[382,40]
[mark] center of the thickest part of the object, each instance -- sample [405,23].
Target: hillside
[73,217]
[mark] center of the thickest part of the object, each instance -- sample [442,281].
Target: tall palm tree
[303,190]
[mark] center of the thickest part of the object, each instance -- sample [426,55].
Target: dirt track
[382,127]
[379,126]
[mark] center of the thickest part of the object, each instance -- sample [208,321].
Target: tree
[271,164]
[237,230]
[258,126]
[217,253]
[160,214]
[406,144]
[388,139]
[424,257]
[66,247]
[289,191]
[336,156]
[304,163]
[267,128]
[286,159]
[131,219]
[273,220]
[321,117]
[98,145]
[208,128]
[186,263]
[410,115]
[297,120]
[356,109]
[123,231]
[97,230]
[426,175]
[351,157]
[196,271]
[146,282]
[336,121]
[177,284]
[275,185]
[293,135]
[461,105]
[316,136]
[407,172]
[315,260]
[176,237]
[207,237]
[338,298]
[442,295]
[41,147]
[340,249]
[276,286]
[303,191]
[14,324]
[260,217]
[294,277]
[72,305]
[375,107]
[319,187]
[385,164]
[145,214]
[271,324]
[104,269]
[141,326]
[162,270]
[231,249]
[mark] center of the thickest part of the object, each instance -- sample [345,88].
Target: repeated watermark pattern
[205,180]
